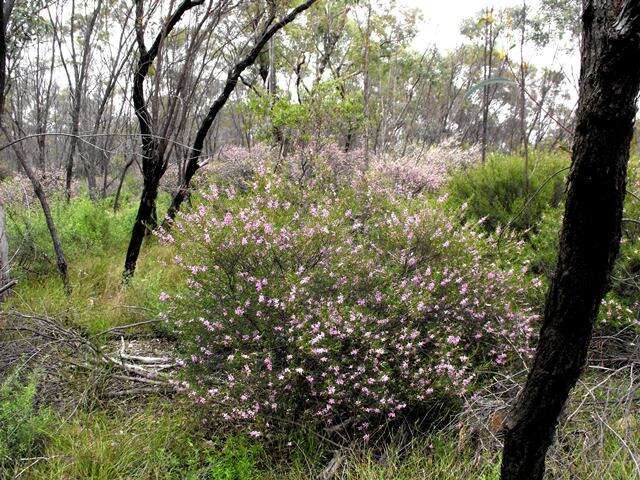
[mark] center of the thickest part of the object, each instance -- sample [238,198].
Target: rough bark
[193,164]
[146,214]
[591,230]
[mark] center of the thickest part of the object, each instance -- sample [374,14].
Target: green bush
[320,303]
[23,426]
[86,228]
[620,307]
[495,191]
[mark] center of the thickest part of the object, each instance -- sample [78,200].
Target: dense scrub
[498,193]
[316,302]
[312,301]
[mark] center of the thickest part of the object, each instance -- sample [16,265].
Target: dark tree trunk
[154,163]
[591,230]
[145,222]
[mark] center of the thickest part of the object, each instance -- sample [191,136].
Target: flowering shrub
[16,189]
[418,170]
[309,302]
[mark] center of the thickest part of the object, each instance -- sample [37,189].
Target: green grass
[23,426]
[94,240]
[99,299]
[158,442]
[163,439]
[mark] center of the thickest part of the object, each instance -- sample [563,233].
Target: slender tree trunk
[61,261]
[80,77]
[524,136]
[116,201]
[4,250]
[44,203]
[591,230]
[193,164]
[487,57]
[3,55]
[367,84]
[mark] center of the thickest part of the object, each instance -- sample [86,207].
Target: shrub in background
[83,225]
[417,170]
[322,304]
[495,191]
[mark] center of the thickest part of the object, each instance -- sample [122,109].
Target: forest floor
[102,366]
[113,428]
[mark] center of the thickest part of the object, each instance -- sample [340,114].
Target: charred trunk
[144,224]
[591,230]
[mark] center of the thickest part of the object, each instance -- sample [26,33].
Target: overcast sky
[443,17]
[441,26]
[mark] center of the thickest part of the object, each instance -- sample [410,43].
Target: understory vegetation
[314,317]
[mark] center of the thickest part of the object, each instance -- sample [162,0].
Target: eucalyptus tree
[19,22]
[266,24]
[591,230]
[268,29]
[78,63]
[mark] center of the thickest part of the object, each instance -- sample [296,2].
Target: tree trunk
[4,20]
[4,250]
[233,76]
[154,163]
[591,230]
[524,135]
[4,247]
[145,221]
[367,83]
[78,94]
[46,210]
[116,200]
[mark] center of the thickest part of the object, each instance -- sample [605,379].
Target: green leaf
[489,81]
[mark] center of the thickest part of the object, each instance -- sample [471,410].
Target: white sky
[442,18]
[441,26]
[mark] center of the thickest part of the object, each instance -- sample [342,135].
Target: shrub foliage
[309,301]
